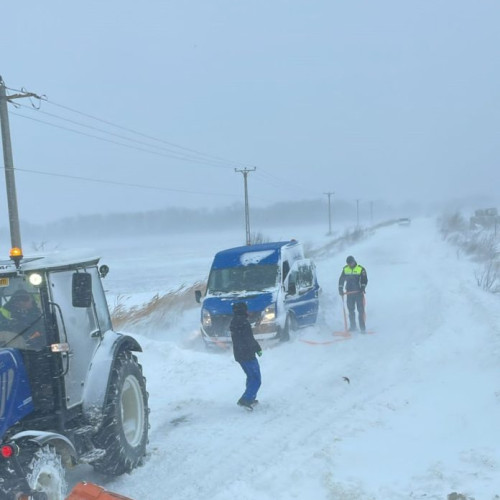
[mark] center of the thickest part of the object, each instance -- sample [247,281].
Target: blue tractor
[71,388]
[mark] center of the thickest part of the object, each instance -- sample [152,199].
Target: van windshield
[243,278]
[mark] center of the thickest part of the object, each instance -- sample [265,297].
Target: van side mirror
[81,290]
[292,289]
[197,296]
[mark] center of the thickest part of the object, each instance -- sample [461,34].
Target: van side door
[302,290]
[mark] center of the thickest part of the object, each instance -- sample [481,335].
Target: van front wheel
[284,332]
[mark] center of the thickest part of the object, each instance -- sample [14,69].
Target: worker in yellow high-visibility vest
[22,316]
[355,279]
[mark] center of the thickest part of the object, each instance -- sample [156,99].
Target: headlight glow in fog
[269,314]
[206,318]
[35,279]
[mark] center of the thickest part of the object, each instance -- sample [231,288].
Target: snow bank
[417,419]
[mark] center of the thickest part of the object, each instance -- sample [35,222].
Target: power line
[274,179]
[111,141]
[130,184]
[24,92]
[44,98]
[107,122]
[203,158]
[120,136]
[277,181]
[119,183]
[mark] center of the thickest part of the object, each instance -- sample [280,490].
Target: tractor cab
[68,382]
[50,308]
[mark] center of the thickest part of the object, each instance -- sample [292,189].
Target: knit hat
[240,308]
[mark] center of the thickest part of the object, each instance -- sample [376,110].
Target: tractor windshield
[21,320]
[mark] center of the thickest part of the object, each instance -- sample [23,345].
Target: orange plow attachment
[89,491]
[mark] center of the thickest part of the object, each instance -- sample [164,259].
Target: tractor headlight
[269,314]
[206,319]
[35,279]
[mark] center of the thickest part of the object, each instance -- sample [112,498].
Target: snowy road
[419,418]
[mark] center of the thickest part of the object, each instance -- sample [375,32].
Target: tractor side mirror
[103,271]
[197,296]
[81,290]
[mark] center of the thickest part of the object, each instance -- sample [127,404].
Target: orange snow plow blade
[89,491]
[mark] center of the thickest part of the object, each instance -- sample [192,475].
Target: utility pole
[357,214]
[329,194]
[245,171]
[10,181]
[371,213]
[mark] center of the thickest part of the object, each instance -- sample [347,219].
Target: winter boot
[362,325]
[245,403]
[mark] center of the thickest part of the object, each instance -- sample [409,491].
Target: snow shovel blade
[89,491]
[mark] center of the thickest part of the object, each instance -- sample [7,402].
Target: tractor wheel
[124,431]
[45,474]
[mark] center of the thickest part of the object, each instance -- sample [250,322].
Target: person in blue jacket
[355,279]
[244,348]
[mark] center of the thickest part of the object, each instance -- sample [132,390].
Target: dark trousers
[252,371]
[356,300]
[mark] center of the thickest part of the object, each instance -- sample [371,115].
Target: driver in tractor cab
[22,316]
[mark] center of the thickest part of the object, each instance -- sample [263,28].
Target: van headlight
[269,314]
[206,319]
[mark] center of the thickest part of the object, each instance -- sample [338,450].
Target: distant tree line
[178,220]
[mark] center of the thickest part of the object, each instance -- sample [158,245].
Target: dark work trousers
[356,300]
[252,371]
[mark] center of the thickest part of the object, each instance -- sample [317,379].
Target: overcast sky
[372,99]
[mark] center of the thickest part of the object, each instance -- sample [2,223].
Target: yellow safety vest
[5,313]
[353,270]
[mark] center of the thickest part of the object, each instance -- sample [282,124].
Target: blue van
[276,282]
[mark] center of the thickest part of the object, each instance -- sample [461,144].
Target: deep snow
[419,418]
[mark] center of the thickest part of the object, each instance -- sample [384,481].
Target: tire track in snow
[311,436]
